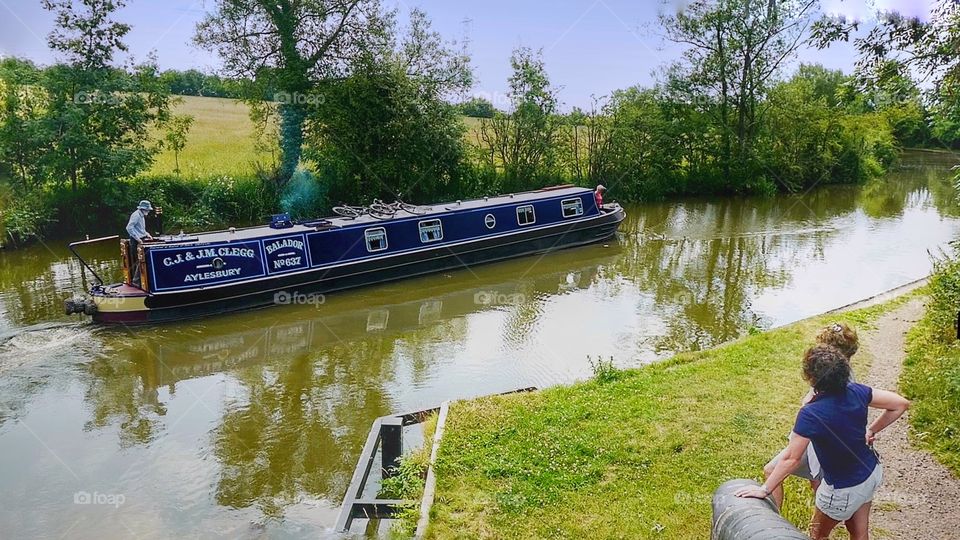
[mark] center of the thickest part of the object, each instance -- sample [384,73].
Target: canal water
[249,425]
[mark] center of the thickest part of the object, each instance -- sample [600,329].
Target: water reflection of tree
[301,424]
[119,393]
[35,280]
[702,278]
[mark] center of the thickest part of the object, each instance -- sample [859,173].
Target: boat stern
[120,303]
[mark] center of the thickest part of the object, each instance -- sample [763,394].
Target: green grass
[637,456]
[220,141]
[931,376]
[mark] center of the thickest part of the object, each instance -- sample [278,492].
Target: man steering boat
[137,229]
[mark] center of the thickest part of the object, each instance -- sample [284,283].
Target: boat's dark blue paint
[230,270]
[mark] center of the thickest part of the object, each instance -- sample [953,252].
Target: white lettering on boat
[209,253]
[204,276]
[283,243]
[291,262]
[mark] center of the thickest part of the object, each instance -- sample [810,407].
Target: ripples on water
[250,424]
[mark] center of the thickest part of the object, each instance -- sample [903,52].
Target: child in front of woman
[845,340]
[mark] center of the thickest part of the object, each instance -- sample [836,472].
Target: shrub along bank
[931,376]
[635,455]
[190,204]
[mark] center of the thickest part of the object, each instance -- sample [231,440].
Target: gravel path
[920,498]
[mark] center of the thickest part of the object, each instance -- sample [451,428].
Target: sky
[590,47]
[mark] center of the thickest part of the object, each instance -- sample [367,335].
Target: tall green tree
[521,144]
[734,50]
[899,45]
[96,119]
[387,130]
[290,48]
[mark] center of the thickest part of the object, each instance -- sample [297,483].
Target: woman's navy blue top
[837,424]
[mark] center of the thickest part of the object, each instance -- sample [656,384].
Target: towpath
[920,498]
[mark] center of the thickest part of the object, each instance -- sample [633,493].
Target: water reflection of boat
[244,340]
[286,262]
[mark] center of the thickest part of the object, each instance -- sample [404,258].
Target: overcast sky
[590,46]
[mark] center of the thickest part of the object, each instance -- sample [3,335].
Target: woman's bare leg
[822,526]
[859,523]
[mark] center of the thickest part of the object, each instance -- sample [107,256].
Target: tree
[520,144]
[900,45]
[734,49]
[291,47]
[477,107]
[176,136]
[386,130]
[96,118]
[23,139]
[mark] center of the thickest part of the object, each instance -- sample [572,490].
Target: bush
[22,217]
[189,204]
[931,376]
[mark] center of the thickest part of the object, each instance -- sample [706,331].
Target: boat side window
[430,230]
[572,207]
[376,239]
[490,221]
[525,215]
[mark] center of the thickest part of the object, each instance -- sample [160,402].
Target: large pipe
[736,518]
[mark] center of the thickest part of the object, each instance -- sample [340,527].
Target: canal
[250,424]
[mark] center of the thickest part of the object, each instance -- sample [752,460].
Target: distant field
[220,140]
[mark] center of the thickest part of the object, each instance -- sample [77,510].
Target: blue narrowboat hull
[186,281]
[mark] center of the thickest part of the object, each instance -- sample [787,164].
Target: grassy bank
[637,456]
[931,376]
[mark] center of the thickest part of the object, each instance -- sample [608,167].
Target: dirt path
[919,498]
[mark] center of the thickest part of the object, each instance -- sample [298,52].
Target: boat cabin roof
[262,231]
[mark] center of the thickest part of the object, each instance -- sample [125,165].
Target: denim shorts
[840,504]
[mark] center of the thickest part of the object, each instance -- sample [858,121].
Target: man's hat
[144,205]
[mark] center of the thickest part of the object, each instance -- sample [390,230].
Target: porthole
[490,221]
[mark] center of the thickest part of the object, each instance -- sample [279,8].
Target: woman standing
[835,421]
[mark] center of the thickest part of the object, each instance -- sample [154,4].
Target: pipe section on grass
[736,518]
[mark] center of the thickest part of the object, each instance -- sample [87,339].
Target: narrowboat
[297,262]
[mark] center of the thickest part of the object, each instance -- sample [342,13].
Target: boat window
[490,221]
[431,231]
[376,239]
[572,207]
[525,215]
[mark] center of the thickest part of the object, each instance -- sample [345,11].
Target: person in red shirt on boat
[598,195]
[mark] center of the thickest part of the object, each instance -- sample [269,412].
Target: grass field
[635,457]
[220,141]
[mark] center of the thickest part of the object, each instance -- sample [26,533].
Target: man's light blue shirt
[137,226]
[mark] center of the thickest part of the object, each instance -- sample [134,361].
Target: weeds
[603,370]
